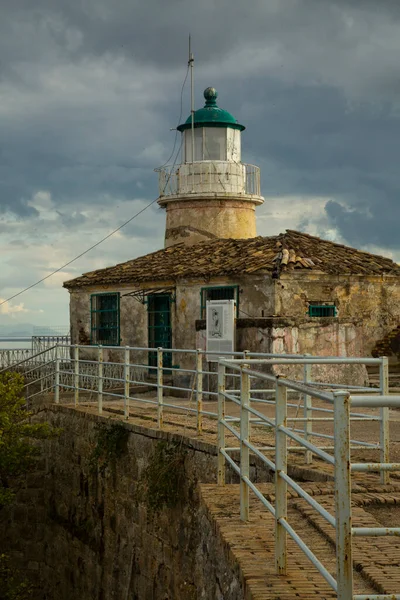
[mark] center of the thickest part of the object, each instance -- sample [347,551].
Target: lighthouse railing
[204,177]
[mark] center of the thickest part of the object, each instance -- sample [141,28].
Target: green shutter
[323,310]
[105,319]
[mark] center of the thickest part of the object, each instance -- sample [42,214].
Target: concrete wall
[374,301]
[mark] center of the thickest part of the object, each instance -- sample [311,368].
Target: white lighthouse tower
[211,194]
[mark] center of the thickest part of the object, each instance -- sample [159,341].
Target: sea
[14,345]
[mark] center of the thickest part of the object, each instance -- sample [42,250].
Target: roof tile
[275,254]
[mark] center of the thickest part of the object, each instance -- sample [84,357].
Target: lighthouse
[211,194]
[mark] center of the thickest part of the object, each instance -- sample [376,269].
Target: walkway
[251,544]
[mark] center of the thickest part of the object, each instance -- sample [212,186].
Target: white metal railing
[209,177]
[8,357]
[39,344]
[43,342]
[340,459]
[98,374]
[94,370]
[166,378]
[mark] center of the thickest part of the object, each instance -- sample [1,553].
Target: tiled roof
[276,254]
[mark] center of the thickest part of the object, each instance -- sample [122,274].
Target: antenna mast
[191,65]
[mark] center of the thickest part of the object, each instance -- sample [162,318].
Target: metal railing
[11,356]
[343,401]
[150,368]
[90,370]
[209,177]
[96,370]
[43,342]
[107,374]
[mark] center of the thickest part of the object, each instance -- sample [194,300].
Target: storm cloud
[89,90]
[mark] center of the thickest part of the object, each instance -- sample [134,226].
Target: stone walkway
[251,545]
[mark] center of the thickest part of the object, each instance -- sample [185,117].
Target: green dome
[211,115]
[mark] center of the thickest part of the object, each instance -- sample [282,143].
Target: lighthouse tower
[211,194]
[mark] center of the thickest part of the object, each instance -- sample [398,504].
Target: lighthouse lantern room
[211,194]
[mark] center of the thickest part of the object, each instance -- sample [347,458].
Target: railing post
[221,426]
[199,390]
[280,484]
[246,356]
[126,380]
[160,387]
[57,379]
[244,437]
[100,380]
[307,412]
[344,561]
[42,381]
[384,416]
[76,375]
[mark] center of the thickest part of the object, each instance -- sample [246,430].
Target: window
[209,144]
[219,293]
[233,145]
[105,319]
[322,310]
[214,143]
[198,144]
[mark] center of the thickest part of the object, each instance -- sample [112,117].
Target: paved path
[251,544]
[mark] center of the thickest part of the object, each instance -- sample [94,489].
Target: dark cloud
[89,91]
[378,225]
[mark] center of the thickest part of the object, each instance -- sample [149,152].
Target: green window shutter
[105,319]
[159,327]
[322,310]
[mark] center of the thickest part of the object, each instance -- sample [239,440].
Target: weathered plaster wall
[83,534]
[375,301]
[368,307]
[133,322]
[255,298]
[319,337]
[194,221]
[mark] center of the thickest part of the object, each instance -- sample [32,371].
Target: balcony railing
[209,177]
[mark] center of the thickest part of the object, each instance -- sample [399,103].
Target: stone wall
[192,221]
[255,297]
[321,337]
[371,300]
[368,308]
[83,533]
[318,336]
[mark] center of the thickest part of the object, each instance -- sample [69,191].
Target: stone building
[293,292]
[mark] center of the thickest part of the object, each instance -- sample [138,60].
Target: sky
[89,93]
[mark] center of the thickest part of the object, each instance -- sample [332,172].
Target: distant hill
[28,330]
[17,330]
